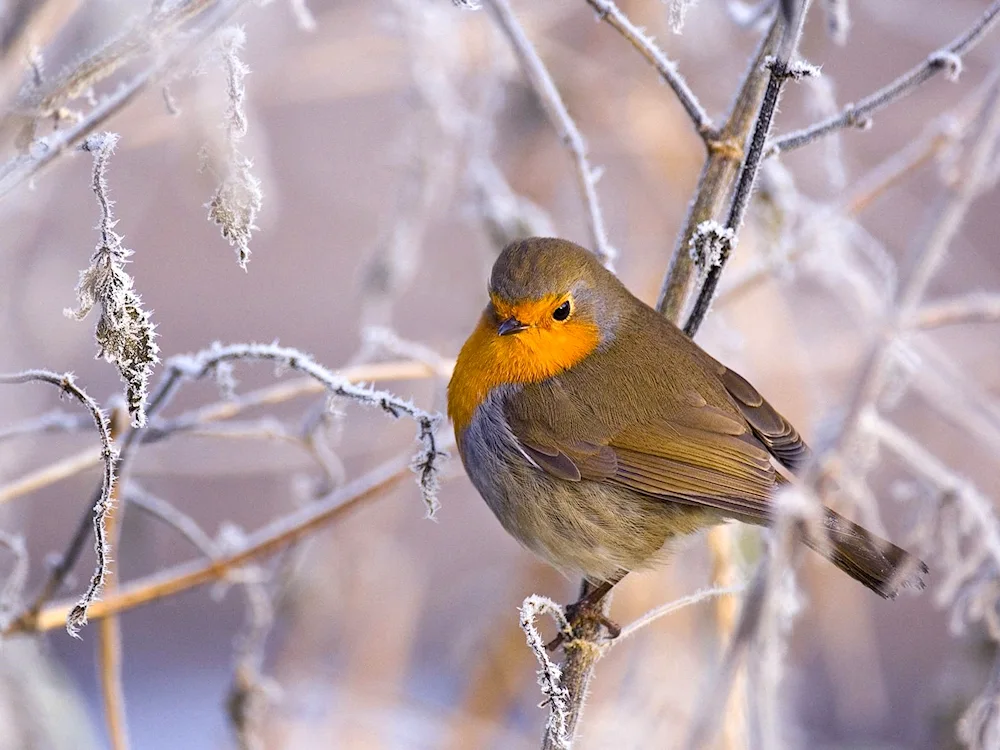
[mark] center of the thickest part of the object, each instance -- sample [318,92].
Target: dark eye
[561,312]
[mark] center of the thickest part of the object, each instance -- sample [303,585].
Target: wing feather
[694,454]
[772,429]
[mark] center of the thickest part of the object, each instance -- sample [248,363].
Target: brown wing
[772,429]
[693,454]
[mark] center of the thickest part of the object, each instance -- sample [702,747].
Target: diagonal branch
[46,150]
[548,95]
[947,59]
[159,430]
[978,307]
[426,463]
[667,69]
[268,540]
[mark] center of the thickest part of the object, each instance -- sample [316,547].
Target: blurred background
[393,140]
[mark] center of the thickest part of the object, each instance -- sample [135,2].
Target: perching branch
[548,95]
[948,59]
[558,729]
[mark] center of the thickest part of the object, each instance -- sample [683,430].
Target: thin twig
[670,607]
[979,307]
[667,69]
[13,586]
[387,341]
[109,634]
[715,691]
[160,509]
[55,472]
[281,392]
[922,461]
[722,548]
[54,421]
[947,59]
[45,151]
[951,210]
[946,387]
[65,382]
[932,141]
[161,429]
[248,686]
[276,394]
[142,37]
[425,464]
[548,95]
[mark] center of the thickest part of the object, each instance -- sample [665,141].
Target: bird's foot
[579,615]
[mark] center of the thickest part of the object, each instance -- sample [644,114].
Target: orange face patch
[545,349]
[536,312]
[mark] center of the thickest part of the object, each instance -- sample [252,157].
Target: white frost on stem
[549,673]
[237,199]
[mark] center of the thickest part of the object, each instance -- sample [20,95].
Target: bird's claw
[582,613]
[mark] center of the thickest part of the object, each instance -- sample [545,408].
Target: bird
[599,433]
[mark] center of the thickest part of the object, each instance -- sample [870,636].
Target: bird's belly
[591,528]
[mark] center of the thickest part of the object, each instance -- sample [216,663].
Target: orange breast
[488,360]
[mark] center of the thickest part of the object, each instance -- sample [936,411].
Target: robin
[597,431]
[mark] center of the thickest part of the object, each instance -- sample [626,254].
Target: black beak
[511,325]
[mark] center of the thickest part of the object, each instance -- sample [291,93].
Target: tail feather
[878,564]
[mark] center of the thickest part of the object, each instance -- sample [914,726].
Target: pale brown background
[404,631]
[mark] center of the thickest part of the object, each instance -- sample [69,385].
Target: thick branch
[717,176]
[780,68]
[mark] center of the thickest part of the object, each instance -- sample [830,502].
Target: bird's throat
[488,361]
